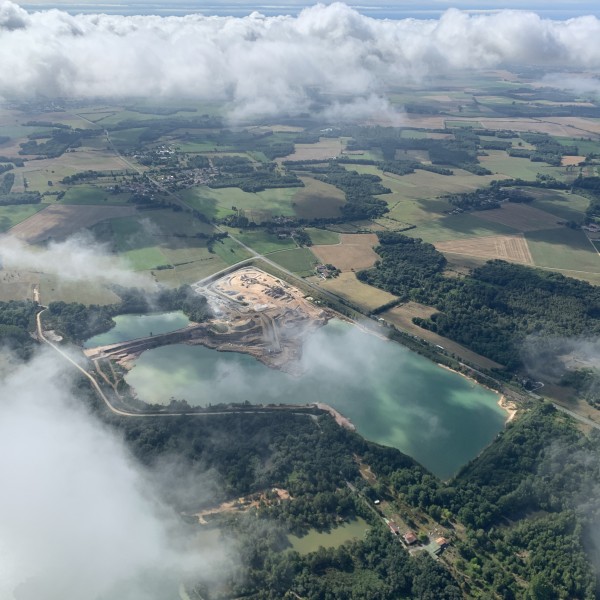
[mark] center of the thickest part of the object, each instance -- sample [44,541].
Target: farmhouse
[409,538]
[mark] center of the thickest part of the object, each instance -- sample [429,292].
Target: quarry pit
[253,312]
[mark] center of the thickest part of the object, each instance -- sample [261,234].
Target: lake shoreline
[504,403]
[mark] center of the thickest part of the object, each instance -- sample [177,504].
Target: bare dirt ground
[521,217]
[259,314]
[513,248]
[59,221]
[354,252]
[243,504]
[401,317]
[566,161]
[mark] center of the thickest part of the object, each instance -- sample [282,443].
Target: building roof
[409,537]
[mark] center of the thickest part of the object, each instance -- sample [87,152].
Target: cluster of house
[410,539]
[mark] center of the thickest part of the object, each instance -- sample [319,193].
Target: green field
[92,194]
[500,162]
[413,134]
[137,243]
[300,261]
[570,207]
[262,242]
[456,227]
[126,138]
[322,236]
[231,252]
[425,187]
[196,147]
[317,200]
[464,124]
[584,146]
[156,238]
[218,203]
[563,249]
[11,215]
[337,536]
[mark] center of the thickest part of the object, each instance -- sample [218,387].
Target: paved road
[577,416]
[124,413]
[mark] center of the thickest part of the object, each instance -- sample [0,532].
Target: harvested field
[354,252]
[513,248]
[560,126]
[426,122]
[571,160]
[402,316]
[349,288]
[59,221]
[522,217]
[323,149]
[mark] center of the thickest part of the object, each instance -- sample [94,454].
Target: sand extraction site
[253,312]
[257,313]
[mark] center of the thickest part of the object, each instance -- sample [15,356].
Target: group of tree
[79,321]
[491,310]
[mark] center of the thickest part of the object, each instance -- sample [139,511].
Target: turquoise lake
[130,327]
[392,395]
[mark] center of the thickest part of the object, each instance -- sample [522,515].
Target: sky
[374,8]
[329,60]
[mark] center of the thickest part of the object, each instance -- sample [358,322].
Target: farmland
[12,215]
[300,261]
[348,287]
[60,221]
[354,252]
[511,248]
[522,217]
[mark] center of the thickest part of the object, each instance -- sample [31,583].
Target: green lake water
[310,542]
[392,395]
[131,327]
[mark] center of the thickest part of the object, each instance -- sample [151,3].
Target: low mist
[78,258]
[78,517]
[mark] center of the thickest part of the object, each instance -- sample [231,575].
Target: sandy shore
[340,419]
[509,406]
[503,402]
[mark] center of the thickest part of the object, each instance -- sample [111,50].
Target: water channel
[393,396]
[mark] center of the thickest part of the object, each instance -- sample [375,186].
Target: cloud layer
[265,65]
[77,517]
[77,258]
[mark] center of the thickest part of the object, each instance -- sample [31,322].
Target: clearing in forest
[354,252]
[506,247]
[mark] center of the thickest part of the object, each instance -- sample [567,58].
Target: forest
[492,309]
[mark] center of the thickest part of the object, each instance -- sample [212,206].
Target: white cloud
[77,517]
[258,65]
[78,258]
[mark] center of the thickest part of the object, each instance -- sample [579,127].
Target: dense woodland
[492,309]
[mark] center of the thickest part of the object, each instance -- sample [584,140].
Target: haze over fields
[329,58]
